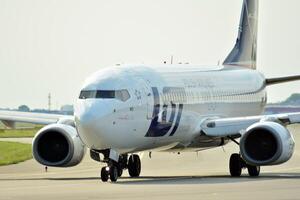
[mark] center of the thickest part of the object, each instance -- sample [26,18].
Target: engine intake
[58,145]
[266,143]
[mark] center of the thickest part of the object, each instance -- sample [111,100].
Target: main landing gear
[134,165]
[236,164]
[109,172]
[115,169]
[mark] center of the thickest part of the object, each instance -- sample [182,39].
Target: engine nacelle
[58,145]
[266,143]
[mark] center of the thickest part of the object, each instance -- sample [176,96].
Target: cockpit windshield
[122,95]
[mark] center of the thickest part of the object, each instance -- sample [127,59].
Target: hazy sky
[53,45]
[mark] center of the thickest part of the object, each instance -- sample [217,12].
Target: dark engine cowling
[58,145]
[266,143]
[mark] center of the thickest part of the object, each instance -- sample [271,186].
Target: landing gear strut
[236,164]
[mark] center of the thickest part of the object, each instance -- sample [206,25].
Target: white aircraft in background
[128,109]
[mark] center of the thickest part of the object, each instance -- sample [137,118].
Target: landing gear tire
[113,173]
[235,165]
[253,170]
[134,166]
[120,172]
[104,174]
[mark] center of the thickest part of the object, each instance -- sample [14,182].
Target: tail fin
[244,51]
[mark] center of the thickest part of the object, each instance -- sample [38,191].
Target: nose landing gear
[115,169]
[109,172]
[113,173]
[104,174]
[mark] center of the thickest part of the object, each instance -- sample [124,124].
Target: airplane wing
[10,117]
[236,126]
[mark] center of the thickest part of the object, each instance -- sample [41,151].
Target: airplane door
[147,100]
[211,96]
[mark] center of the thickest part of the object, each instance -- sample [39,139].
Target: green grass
[19,125]
[15,133]
[14,152]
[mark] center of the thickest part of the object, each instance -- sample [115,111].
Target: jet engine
[266,143]
[58,145]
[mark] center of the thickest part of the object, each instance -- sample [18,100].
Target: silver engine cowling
[58,145]
[266,143]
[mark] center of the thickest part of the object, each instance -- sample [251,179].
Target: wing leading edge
[223,127]
[10,117]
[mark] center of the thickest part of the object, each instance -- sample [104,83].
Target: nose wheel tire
[235,165]
[120,172]
[253,170]
[113,173]
[134,166]
[104,174]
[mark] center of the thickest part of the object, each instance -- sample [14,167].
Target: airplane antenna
[49,101]
[171,59]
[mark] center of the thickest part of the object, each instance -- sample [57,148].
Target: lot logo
[160,126]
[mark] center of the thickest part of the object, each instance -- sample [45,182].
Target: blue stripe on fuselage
[177,119]
[159,129]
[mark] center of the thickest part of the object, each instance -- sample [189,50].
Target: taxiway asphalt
[165,176]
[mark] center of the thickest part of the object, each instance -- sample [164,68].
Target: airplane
[127,109]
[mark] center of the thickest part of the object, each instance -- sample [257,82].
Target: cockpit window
[105,94]
[122,95]
[87,94]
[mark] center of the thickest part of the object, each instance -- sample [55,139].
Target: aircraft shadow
[50,179]
[215,179]
[169,180]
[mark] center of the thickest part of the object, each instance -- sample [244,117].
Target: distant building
[23,108]
[67,109]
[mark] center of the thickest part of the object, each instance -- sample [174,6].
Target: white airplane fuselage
[123,110]
[165,106]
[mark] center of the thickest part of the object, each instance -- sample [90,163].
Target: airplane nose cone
[85,117]
[90,120]
[85,113]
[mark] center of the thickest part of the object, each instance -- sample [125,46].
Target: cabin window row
[222,96]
